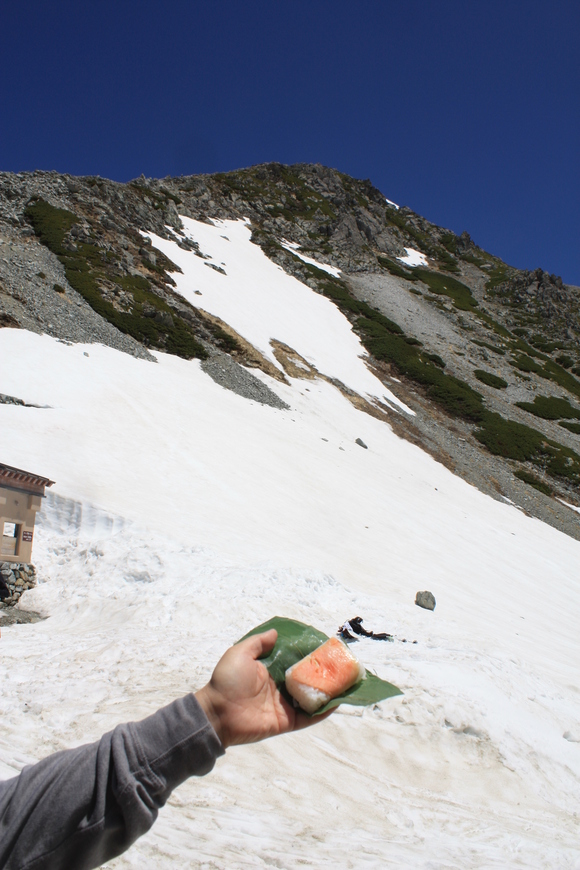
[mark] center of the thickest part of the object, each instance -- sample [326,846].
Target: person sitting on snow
[355,625]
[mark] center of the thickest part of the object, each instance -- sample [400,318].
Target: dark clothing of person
[356,626]
[79,808]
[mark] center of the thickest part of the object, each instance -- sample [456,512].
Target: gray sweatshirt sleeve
[81,807]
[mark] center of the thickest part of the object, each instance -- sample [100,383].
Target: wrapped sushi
[296,642]
[324,674]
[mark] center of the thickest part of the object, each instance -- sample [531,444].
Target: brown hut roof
[16,478]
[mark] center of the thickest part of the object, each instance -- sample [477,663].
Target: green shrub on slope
[550,408]
[85,264]
[532,480]
[490,379]
[572,427]
[396,269]
[509,439]
[445,285]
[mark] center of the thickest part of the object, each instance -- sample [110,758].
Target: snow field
[261,302]
[183,515]
[413,258]
[138,620]
[325,267]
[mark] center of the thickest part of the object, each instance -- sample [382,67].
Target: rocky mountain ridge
[488,355]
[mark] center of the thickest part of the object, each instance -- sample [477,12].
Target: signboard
[27,536]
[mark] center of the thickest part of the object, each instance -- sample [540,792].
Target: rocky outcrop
[546,297]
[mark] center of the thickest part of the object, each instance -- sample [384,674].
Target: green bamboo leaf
[296,640]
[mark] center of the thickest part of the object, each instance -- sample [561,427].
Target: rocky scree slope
[487,355]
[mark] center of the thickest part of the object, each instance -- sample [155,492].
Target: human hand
[241,699]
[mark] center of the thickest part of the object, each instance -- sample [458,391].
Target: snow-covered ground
[294,249]
[183,515]
[413,258]
[261,302]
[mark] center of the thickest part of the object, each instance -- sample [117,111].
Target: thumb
[260,644]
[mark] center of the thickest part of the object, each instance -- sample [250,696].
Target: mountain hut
[20,495]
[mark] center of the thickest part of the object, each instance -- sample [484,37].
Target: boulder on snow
[426,600]
[361,443]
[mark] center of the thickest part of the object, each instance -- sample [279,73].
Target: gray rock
[13,616]
[425,600]
[229,374]
[361,443]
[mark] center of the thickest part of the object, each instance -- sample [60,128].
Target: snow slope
[261,302]
[413,258]
[294,249]
[183,515]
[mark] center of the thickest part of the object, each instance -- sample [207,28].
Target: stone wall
[15,578]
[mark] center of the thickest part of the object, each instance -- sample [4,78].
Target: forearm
[79,808]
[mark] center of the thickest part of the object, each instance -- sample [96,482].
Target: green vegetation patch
[498,274]
[446,260]
[449,241]
[494,348]
[542,343]
[395,269]
[562,462]
[435,358]
[440,284]
[532,480]
[550,408]
[424,243]
[86,264]
[518,343]
[455,396]
[515,441]
[525,363]
[560,376]
[490,379]
[573,427]
[509,439]
[50,224]
[159,198]
[445,285]
[479,259]
[223,339]
[494,325]
[289,194]
[385,341]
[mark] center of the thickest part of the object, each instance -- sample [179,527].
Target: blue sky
[468,112]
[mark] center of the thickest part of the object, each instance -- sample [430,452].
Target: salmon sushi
[327,672]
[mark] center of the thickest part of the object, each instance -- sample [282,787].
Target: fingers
[260,644]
